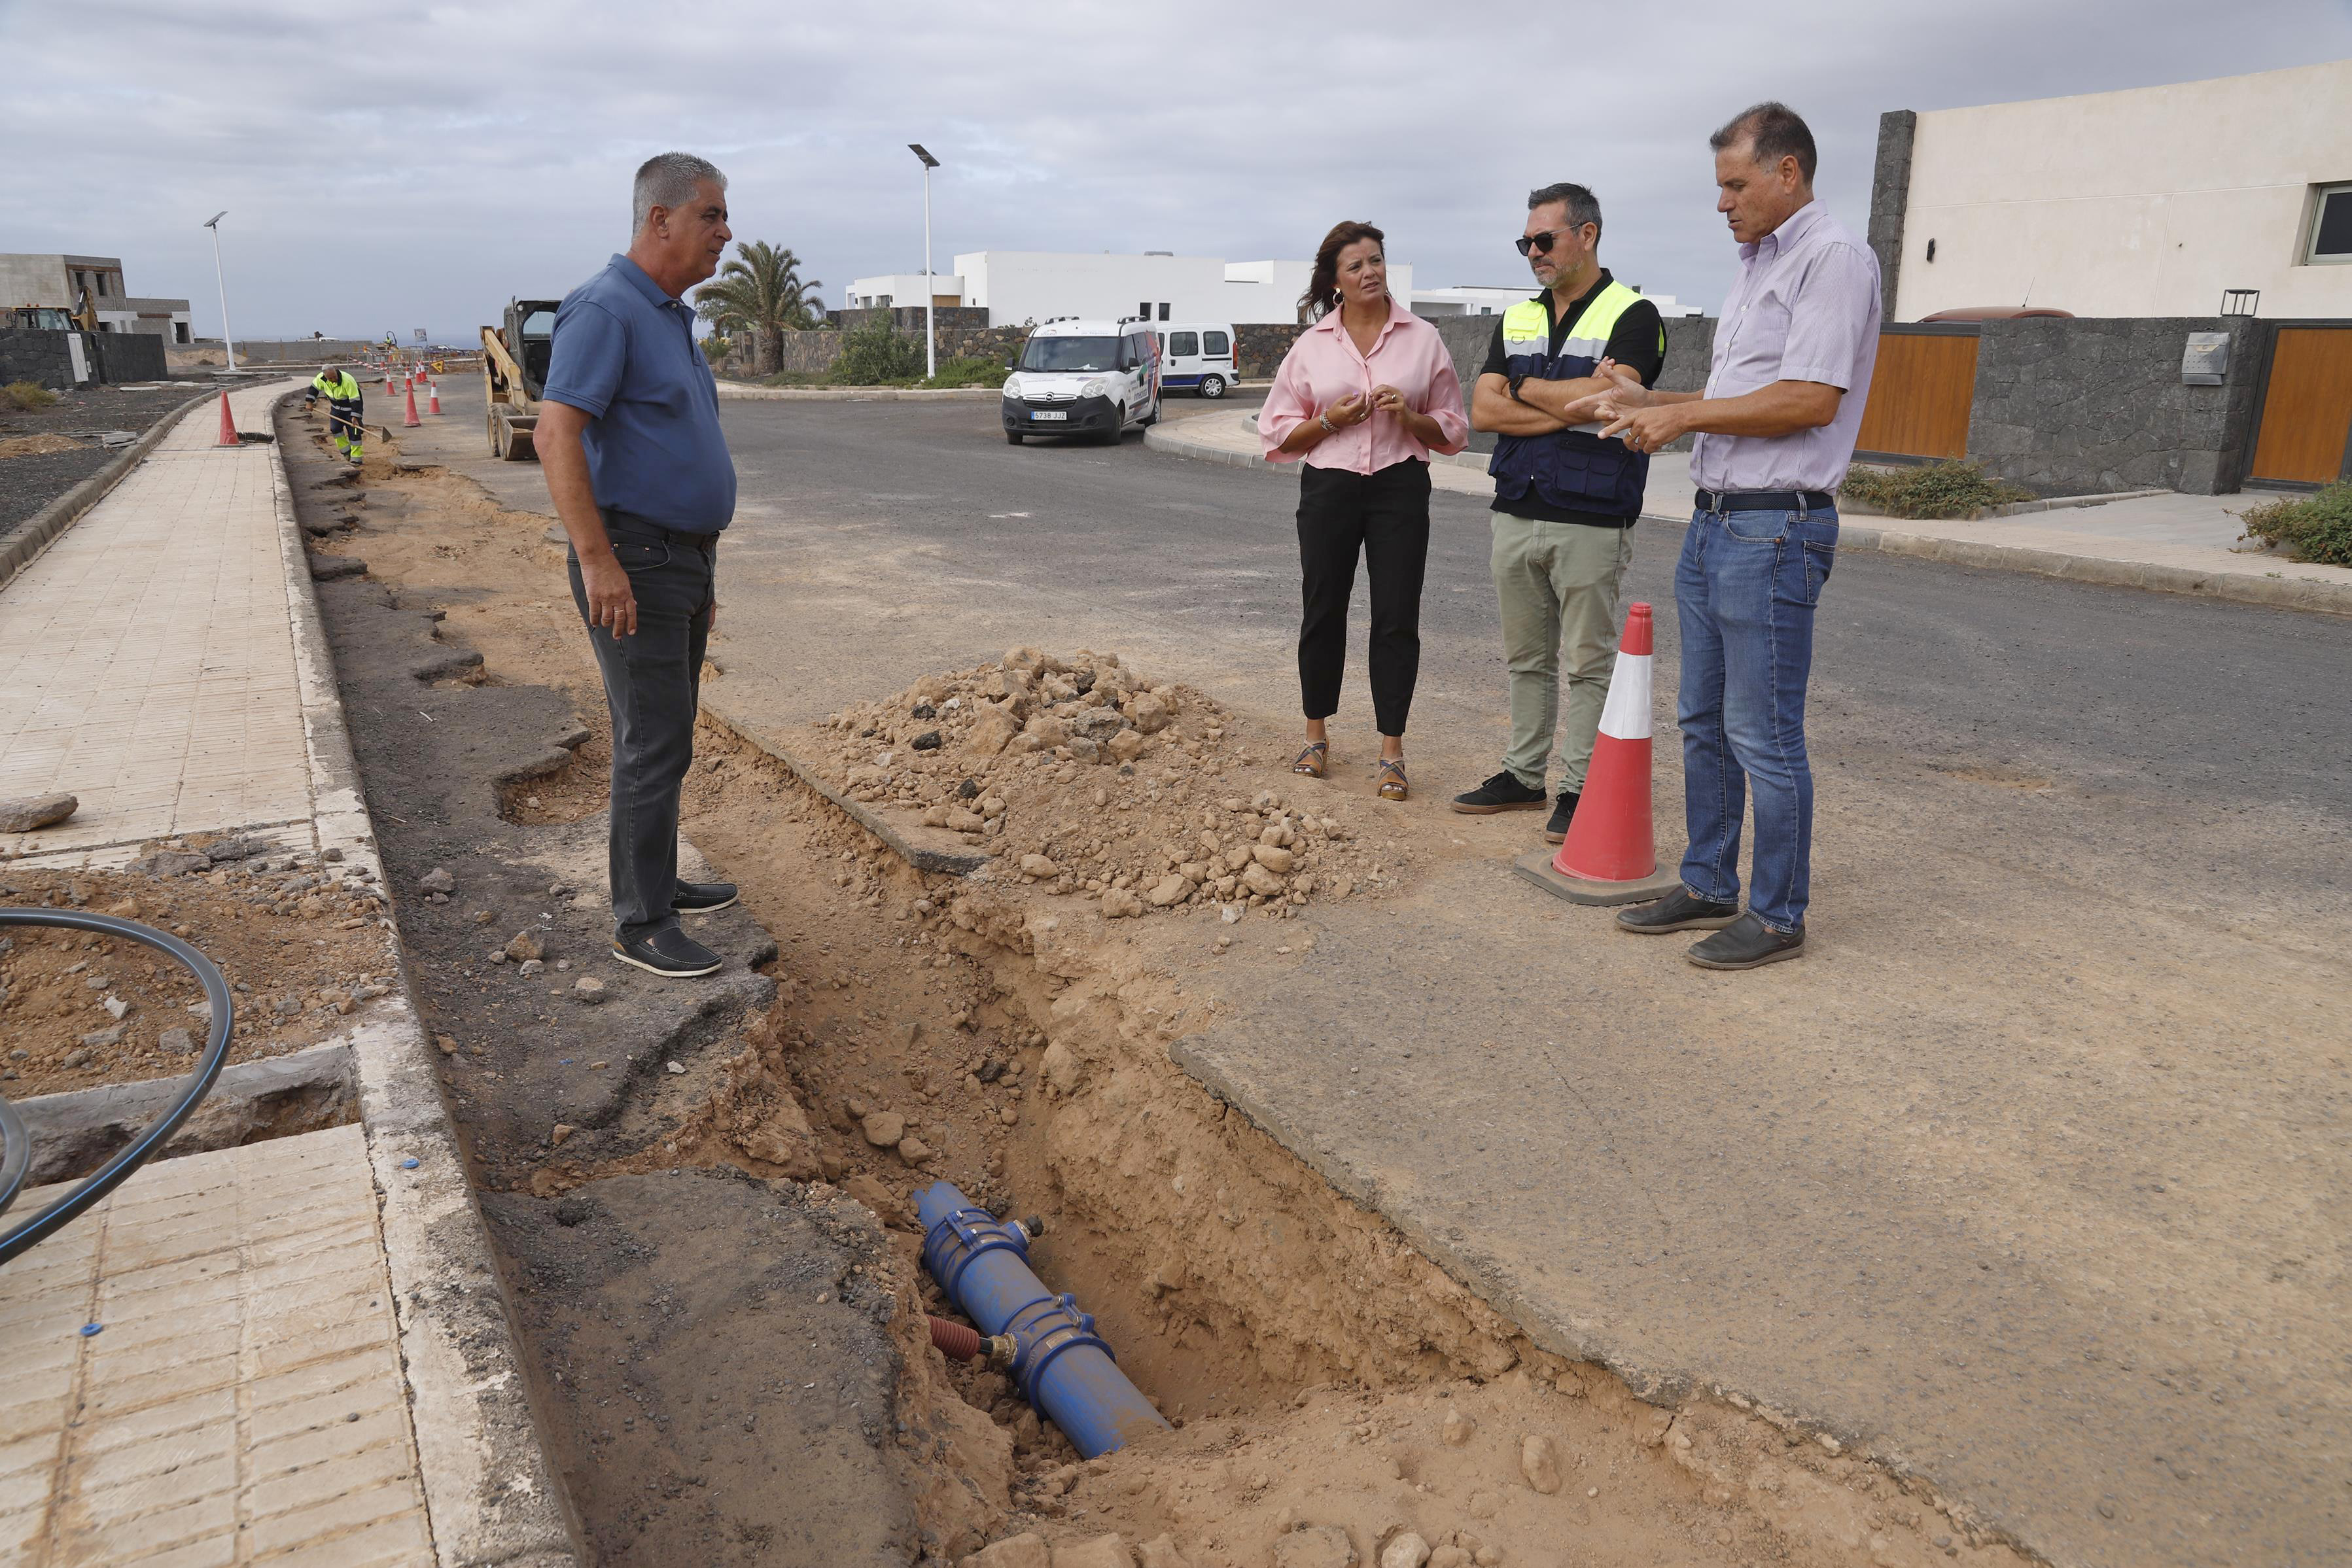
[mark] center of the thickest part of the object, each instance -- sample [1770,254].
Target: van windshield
[1070,354]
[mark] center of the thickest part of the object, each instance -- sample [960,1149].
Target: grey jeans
[653,684]
[1557,584]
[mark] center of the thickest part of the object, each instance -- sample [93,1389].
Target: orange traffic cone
[412,422]
[387,383]
[1611,854]
[228,426]
[435,392]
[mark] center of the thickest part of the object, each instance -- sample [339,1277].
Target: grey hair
[1583,207]
[667,180]
[1774,131]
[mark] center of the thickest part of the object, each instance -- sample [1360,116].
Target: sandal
[1391,775]
[1311,760]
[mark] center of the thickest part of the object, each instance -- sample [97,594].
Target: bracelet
[1325,421]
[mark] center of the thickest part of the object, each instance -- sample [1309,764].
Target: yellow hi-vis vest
[1575,468]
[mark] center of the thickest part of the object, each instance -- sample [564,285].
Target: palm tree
[760,291]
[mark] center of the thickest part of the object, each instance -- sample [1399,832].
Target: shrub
[1932,490]
[27,394]
[716,348]
[969,371]
[875,355]
[2318,529]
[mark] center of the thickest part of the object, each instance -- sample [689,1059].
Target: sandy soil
[297,939]
[1011,1037]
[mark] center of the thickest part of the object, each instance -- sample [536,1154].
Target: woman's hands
[1353,409]
[1388,400]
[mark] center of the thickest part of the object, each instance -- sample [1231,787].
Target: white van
[1199,356]
[1080,377]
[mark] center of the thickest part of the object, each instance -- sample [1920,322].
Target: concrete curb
[915,855]
[490,1495]
[859,394]
[2271,591]
[19,549]
[75,1133]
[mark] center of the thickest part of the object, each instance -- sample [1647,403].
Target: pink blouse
[1323,367]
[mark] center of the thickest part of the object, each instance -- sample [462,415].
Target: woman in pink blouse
[1362,399]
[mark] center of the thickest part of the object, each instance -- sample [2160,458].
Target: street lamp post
[930,333]
[221,279]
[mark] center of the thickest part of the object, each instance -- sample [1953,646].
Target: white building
[61,282]
[2151,202]
[1488,299]
[1015,286]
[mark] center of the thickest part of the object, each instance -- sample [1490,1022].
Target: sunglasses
[1541,240]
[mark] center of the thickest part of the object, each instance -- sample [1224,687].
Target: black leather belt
[1766,501]
[706,543]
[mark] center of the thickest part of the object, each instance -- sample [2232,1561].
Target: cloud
[399,165]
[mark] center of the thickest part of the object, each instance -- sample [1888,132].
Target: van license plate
[1040,414]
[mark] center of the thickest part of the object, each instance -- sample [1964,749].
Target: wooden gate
[2307,408]
[1920,392]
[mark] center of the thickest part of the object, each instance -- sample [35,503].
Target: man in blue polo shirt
[628,435]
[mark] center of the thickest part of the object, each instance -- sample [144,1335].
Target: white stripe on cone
[1626,714]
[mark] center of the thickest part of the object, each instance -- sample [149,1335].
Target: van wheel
[1213,386]
[1011,438]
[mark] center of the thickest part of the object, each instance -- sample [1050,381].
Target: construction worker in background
[344,409]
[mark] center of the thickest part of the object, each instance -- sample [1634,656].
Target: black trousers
[653,685]
[1385,515]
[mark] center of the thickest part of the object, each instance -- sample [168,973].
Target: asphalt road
[2031,1177]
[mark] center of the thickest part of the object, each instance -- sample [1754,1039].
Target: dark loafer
[1678,911]
[1747,944]
[702,897]
[669,952]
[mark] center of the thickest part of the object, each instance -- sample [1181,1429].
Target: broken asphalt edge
[77,1130]
[2242,588]
[20,548]
[914,854]
[490,1495]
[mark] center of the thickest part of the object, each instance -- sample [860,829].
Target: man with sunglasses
[1565,497]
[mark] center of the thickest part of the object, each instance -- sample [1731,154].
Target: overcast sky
[389,165]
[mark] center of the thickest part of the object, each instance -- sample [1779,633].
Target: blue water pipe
[1060,1365]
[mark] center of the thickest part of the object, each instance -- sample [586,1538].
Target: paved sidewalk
[303,1356]
[241,1399]
[2175,543]
[147,656]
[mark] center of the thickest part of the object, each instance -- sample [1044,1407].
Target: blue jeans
[1745,590]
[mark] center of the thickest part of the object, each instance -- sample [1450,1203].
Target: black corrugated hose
[16,1146]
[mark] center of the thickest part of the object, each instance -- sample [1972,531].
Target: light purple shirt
[1805,309]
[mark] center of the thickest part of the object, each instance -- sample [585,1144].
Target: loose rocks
[1458,1428]
[31,812]
[1023,1551]
[524,945]
[884,1129]
[1540,1463]
[1404,1551]
[437,881]
[1102,1552]
[588,990]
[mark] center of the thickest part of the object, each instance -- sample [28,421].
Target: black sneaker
[669,952]
[702,897]
[1747,944]
[1503,792]
[1678,911]
[1556,831]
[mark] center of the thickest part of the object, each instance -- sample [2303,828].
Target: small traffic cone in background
[435,398]
[1611,853]
[412,422]
[387,383]
[228,426]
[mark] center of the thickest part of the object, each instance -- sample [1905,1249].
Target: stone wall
[909,318]
[1890,199]
[814,352]
[31,355]
[2086,405]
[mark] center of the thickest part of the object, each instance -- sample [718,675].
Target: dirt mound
[1083,776]
[297,938]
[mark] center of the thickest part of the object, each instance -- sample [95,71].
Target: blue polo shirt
[624,355]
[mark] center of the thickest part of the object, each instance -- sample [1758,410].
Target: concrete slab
[1536,866]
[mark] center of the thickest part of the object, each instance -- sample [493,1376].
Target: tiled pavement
[147,657]
[241,1401]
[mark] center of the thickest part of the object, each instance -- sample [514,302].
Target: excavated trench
[1332,1391]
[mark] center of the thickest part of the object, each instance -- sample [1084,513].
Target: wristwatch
[1515,391]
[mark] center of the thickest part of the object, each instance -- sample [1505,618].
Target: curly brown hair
[1322,294]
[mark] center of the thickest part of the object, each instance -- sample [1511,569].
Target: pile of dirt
[34,445]
[1083,776]
[298,938]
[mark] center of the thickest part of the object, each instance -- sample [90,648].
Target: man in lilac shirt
[1775,430]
